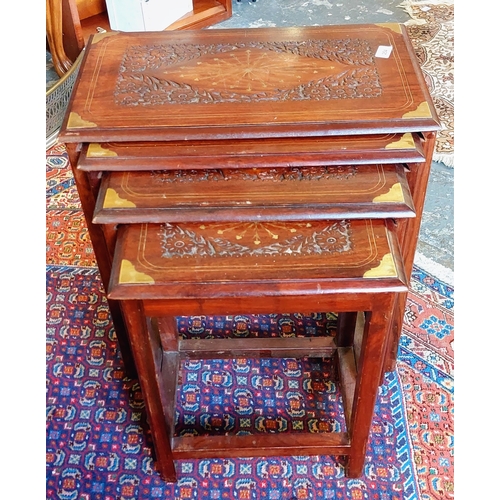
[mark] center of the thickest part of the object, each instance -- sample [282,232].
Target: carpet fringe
[433,268]
[447,160]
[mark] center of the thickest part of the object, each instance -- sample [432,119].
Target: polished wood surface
[205,13]
[248,153]
[261,259]
[269,194]
[359,360]
[359,368]
[241,83]
[254,171]
[126,155]
[64,50]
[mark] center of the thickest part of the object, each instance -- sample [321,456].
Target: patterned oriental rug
[95,444]
[431,31]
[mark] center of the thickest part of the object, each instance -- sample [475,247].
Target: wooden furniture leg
[204,13]
[63,38]
[103,256]
[157,372]
[346,325]
[208,253]
[155,286]
[407,231]
[369,371]
[156,347]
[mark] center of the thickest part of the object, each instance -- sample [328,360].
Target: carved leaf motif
[263,175]
[178,242]
[136,86]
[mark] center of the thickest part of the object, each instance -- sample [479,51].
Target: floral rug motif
[431,31]
[95,442]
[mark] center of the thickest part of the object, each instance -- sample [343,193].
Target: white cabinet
[145,15]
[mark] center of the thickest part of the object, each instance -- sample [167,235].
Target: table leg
[367,381]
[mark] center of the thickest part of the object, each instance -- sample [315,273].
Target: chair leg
[152,365]
[367,381]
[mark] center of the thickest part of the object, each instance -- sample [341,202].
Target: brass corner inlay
[392,26]
[113,200]
[129,274]
[406,142]
[386,268]
[422,111]
[76,121]
[96,150]
[394,195]
[100,36]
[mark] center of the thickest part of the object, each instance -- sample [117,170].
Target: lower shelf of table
[261,445]
[252,442]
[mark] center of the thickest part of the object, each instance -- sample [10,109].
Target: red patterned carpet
[96,449]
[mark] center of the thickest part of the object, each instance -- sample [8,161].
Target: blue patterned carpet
[97,447]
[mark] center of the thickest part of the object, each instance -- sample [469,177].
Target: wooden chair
[69,24]
[161,271]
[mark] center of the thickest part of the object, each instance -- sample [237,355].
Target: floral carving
[142,79]
[253,174]
[180,242]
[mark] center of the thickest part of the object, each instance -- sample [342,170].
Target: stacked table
[263,169]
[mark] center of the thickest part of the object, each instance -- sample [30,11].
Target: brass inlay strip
[386,268]
[394,195]
[96,150]
[99,36]
[422,111]
[113,200]
[76,121]
[392,26]
[129,274]
[406,142]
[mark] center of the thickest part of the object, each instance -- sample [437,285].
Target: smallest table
[165,270]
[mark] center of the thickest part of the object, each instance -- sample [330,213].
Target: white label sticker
[384,51]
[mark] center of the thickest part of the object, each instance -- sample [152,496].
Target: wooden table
[250,126]
[251,98]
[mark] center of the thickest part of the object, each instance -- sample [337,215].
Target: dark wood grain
[103,245]
[271,194]
[254,172]
[408,231]
[216,261]
[156,386]
[250,153]
[322,347]
[356,290]
[359,381]
[368,378]
[240,83]
[263,445]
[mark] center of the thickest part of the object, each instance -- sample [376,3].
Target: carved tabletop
[249,83]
